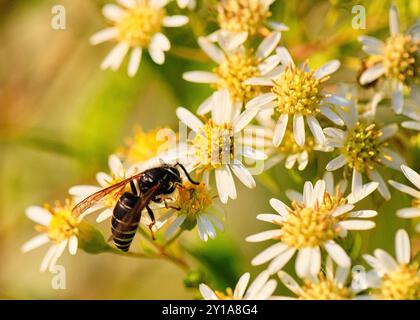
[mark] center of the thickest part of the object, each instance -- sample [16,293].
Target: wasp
[152,186]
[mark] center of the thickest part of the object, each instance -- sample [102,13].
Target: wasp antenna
[186,173]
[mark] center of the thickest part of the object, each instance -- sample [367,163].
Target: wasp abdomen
[123,229]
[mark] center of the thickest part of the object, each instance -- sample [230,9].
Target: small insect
[152,185]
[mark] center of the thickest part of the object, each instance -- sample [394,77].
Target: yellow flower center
[63,224]
[415,203]
[193,199]
[225,296]
[400,58]
[401,284]
[242,15]
[237,68]
[311,227]
[143,146]
[138,25]
[325,289]
[297,91]
[363,147]
[214,145]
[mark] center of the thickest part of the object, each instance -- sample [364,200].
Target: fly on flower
[137,25]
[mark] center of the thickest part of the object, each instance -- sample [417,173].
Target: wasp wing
[86,203]
[135,214]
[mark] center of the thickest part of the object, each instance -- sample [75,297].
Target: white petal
[252,153]
[326,69]
[285,56]
[367,189]
[356,183]
[160,41]
[299,129]
[372,73]
[260,100]
[112,12]
[336,163]
[337,254]
[225,184]
[200,77]
[267,291]
[269,253]
[175,21]
[303,262]
[115,165]
[259,81]
[174,226]
[294,196]
[221,107]
[280,207]
[388,132]
[411,175]
[413,125]
[394,23]
[398,98]
[268,44]
[263,236]
[241,286]
[47,258]
[157,55]
[189,119]
[363,214]
[277,26]
[342,209]
[104,215]
[38,215]
[211,50]
[243,174]
[207,293]
[103,35]
[127,3]
[316,129]
[35,242]
[280,129]
[83,191]
[269,217]
[205,106]
[406,189]
[57,254]
[257,285]
[331,115]
[230,42]
[357,224]
[289,282]
[73,244]
[402,247]
[268,66]
[134,63]
[115,57]
[409,213]
[202,230]
[382,187]
[281,260]
[244,119]
[386,260]
[308,198]
[337,100]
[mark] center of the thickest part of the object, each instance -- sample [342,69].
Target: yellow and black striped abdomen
[124,222]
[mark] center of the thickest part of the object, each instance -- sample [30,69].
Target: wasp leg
[152,216]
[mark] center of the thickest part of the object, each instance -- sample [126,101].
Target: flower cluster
[258,88]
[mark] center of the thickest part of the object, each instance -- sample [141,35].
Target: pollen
[193,199]
[142,146]
[400,58]
[214,145]
[401,284]
[139,24]
[242,15]
[233,72]
[311,227]
[298,91]
[225,296]
[363,147]
[325,289]
[63,224]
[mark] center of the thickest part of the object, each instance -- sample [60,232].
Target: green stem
[176,236]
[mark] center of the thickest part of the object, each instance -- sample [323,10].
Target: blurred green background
[61,116]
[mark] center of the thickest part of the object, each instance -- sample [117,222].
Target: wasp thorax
[242,15]
[325,289]
[63,224]
[311,227]
[233,72]
[298,91]
[193,199]
[401,284]
[363,147]
[138,25]
[400,58]
[214,145]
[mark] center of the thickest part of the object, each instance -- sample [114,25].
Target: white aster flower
[396,279]
[414,211]
[137,25]
[242,19]
[331,285]
[396,59]
[234,67]
[412,111]
[194,205]
[262,288]
[216,144]
[363,148]
[307,226]
[298,93]
[57,226]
